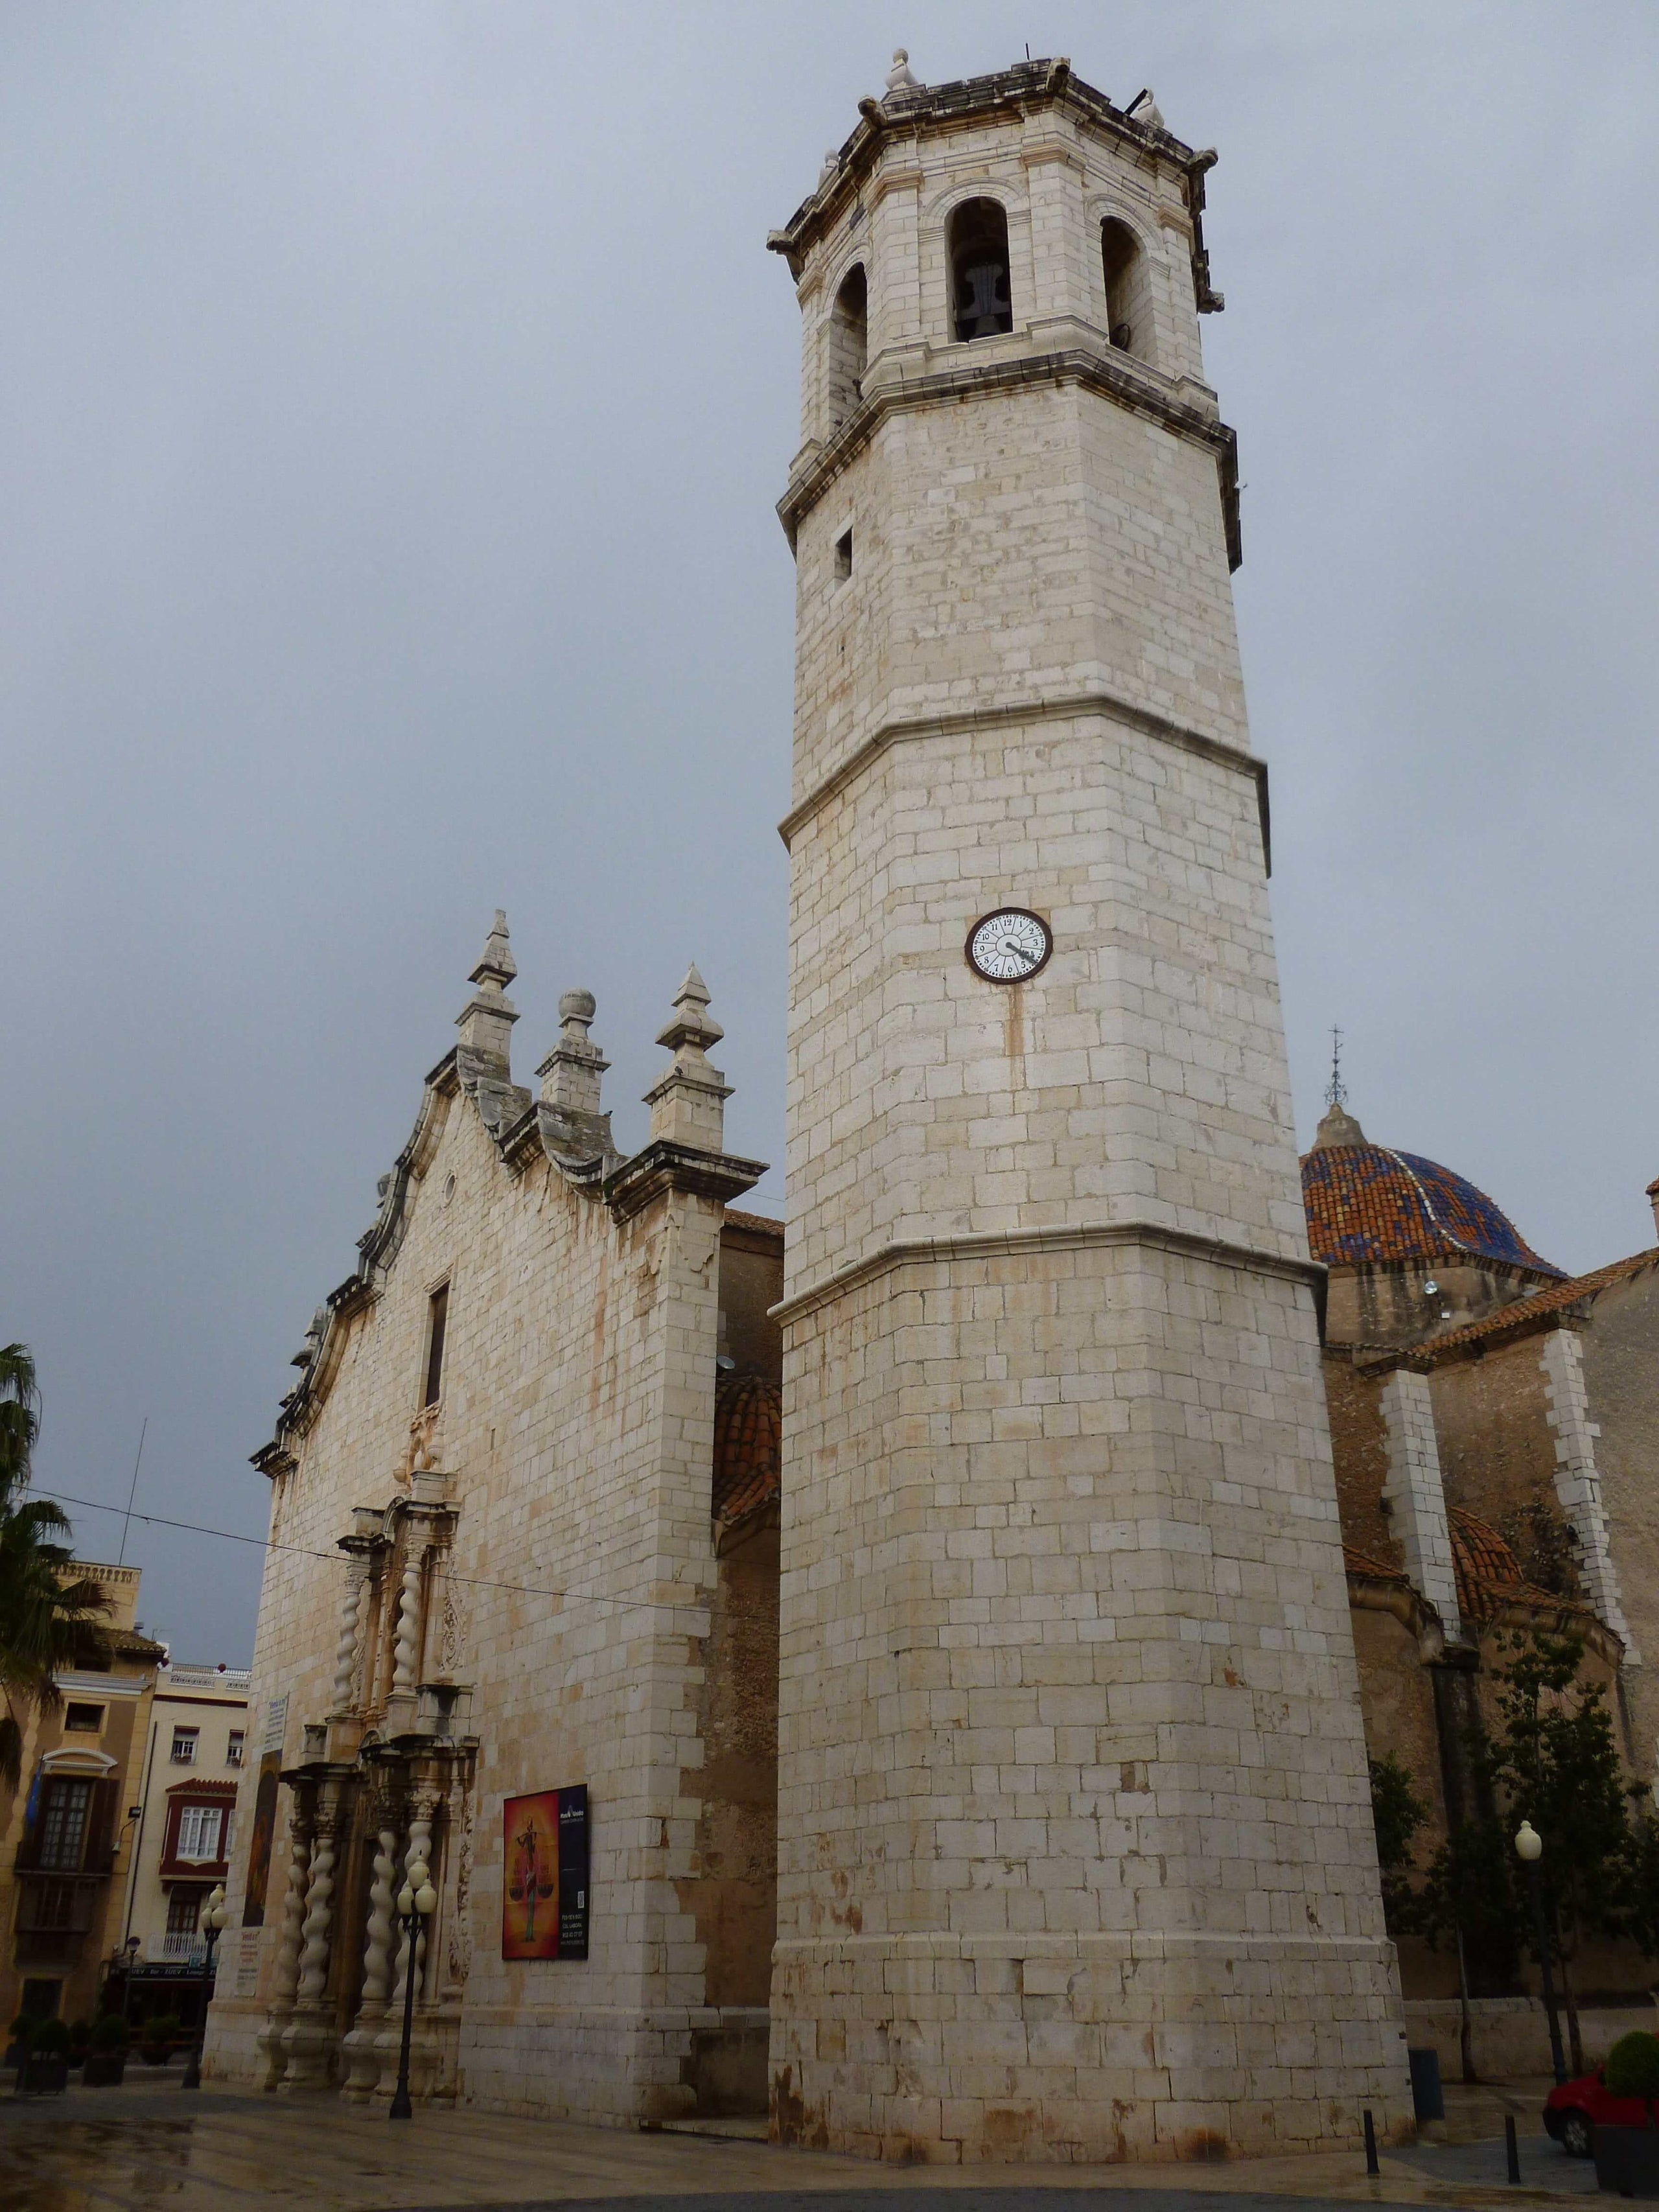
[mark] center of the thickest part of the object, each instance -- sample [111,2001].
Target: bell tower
[1075,1847]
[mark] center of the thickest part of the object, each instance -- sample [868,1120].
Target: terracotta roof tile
[764,1222]
[1516,1318]
[1361,1564]
[748,1445]
[1489,1574]
[1365,1203]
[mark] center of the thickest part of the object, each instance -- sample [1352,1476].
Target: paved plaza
[151,2145]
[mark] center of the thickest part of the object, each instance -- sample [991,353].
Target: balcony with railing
[179,1947]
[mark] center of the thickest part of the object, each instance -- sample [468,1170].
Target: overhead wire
[472,1582]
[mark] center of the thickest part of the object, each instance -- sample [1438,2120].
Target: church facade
[1070,1854]
[915,1676]
[510,1618]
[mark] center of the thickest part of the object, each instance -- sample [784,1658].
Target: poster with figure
[544,1874]
[264,1829]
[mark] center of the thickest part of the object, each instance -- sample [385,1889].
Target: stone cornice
[663,1167]
[1061,707]
[1394,1594]
[1060,1236]
[522,1130]
[1099,372]
[932,109]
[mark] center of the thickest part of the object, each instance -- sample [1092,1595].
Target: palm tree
[47,1609]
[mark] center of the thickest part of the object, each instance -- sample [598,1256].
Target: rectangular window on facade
[434,1346]
[184,1745]
[843,557]
[89,1718]
[199,1829]
[183,1909]
[50,1908]
[233,1748]
[64,1805]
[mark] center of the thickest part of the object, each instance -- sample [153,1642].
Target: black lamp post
[129,1951]
[1529,1849]
[213,1919]
[416,1901]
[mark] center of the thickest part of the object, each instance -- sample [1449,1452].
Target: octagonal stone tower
[1076,1855]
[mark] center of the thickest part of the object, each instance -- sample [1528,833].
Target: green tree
[1469,1897]
[1555,1761]
[1397,1813]
[48,1612]
[1636,1904]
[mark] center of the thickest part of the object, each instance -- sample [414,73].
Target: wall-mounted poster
[264,1829]
[545,1885]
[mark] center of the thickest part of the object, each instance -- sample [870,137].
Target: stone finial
[899,78]
[314,1343]
[693,1027]
[688,1105]
[571,1072]
[486,1021]
[1337,1128]
[831,163]
[496,960]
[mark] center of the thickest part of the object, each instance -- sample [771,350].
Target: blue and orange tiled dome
[1365,1203]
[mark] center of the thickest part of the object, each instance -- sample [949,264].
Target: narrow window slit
[434,1346]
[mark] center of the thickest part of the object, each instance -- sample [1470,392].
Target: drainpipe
[138,1839]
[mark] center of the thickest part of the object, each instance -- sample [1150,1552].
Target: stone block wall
[1076,1856]
[1620,1357]
[576,1425]
[1076,1850]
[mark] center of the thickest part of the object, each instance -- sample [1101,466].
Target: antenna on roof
[132,1492]
[1336,1090]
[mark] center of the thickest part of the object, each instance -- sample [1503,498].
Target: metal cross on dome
[1336,1090]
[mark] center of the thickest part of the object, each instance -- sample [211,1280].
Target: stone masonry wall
[577,1420]
[1075,1849]
[1076,1853]
[1621,1354]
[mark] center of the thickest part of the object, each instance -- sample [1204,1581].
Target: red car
[1571,2112]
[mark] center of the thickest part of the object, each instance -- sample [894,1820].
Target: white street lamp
[417,1900]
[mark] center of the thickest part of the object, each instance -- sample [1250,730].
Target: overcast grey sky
[396,397]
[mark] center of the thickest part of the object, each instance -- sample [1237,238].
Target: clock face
[1009,945]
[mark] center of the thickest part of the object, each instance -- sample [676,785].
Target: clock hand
[1019,951]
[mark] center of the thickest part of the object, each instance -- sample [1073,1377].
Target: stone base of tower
[1085,2050]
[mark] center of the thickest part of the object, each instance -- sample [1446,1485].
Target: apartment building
[66,1831]
[182,1813]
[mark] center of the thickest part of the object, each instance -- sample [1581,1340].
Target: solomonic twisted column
[406,1651]
[319,1917]
[359,2048]
[287,1950]
[354,1619]
[308,2039]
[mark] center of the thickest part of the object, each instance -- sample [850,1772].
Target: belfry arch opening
[849,343]
[1128,289]
[982,300]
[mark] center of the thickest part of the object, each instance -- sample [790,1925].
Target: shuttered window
[64,1805]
